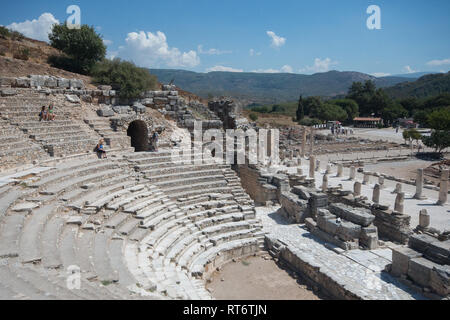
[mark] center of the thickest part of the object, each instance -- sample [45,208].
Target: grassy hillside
[265,88]
[424,87]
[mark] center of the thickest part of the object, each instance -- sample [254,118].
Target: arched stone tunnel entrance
[138,132]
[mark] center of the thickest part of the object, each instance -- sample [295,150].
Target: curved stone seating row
[124,229]
[23,111]
[15,147]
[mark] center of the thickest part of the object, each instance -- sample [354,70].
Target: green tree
[301,109]
[83,47]
[421,117]
[439,140]
[124,76]
[349,106]
[310,104]
[392,112]
[440,119]
[329,112]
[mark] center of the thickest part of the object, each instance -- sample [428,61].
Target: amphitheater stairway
[136,226]
[112,138]
[60,137]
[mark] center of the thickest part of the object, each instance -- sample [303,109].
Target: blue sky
[257,35]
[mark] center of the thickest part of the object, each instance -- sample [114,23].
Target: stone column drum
[376,194]
[419,185]
[443,192]
[312,164]
[357,189]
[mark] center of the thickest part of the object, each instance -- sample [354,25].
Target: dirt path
[256,278]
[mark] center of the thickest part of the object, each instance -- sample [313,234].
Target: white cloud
[277,41]
[284,69]
[152,50]
[252,53]
[223,68]
[319,66]
[438,62]
[287,69]
[107,42]
[380,74]
[266,71]
[211,51]
[37,28]
[408,69]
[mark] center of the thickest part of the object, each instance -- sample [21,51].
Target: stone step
[30,241]
[72,183]
[197,265]
[21,287]
[50,243]
[10,231]
[101,260]
[116,257]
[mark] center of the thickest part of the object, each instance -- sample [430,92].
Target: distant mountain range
[426,86]
[266,88]
[414,75]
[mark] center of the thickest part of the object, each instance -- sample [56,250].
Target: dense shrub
[22,54]
[309,122]
[253,116]
[124,76]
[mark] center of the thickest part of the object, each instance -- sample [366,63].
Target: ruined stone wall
[257,186]
[228,112]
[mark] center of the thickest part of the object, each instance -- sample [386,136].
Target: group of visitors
[337,130]
[47,114]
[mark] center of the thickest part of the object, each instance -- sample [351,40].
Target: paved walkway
[357,270]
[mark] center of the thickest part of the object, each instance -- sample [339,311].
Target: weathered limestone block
[104,87]
[369,237]
[296,209]
[400,260]
[424,219]
[121,109]
[302,192]
[76,84]
[86,98]
[63,83]
[72,98]
[139,108]
[348,231]
[51,82]
[317,201]
[105,112]
[8,92]
[23,82]
[419,271]
[440,280]
[360,216]
[329,169]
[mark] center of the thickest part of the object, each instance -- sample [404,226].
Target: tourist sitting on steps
[51,113]
[100,149]
[43,114]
